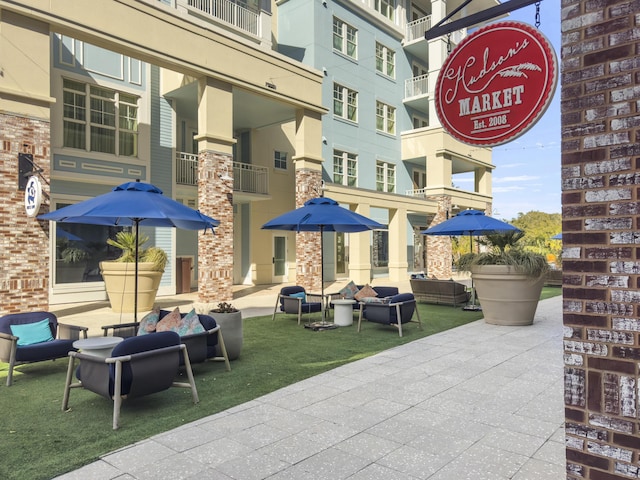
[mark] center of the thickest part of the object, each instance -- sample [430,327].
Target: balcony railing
[416,86]
[247,178]
[229,12]
[417,28]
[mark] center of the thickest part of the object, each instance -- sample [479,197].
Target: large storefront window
[79,250]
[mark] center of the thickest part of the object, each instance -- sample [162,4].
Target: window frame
[344,168]
[107,122]
[345,97]
[277,157]
[385,118]
[385,176]
[382,60]
[347,36]
[386,8]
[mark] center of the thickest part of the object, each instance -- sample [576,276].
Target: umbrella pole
[135,298]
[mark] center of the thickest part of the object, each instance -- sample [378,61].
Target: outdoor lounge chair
[44,341]
[137,366]
[294,300]
[398,311]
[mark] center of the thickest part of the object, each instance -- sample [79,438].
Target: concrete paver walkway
[478,402]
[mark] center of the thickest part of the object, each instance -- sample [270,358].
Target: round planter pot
[119,281]
[231,328]
[507,297]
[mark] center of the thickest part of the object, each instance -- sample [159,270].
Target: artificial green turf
[39,441]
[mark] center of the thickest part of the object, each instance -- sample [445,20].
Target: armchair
[137,366]
[42,343]
[398,311]
[294,300]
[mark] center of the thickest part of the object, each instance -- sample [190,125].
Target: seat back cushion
[133,345]
[288,291]
[30,317]
[386,291]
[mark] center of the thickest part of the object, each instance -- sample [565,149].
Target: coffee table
[98,346]
[343,312]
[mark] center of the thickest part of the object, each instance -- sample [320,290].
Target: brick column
[601,232]
[439,252]
[215,193]
[24,128]
[24,241]
[308,244]
[308,162]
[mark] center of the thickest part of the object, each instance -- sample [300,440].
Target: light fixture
[455,207]
[324,70]
[324,140]
[224,176]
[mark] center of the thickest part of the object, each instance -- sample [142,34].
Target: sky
[527,173]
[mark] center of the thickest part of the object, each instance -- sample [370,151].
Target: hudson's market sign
[496,84]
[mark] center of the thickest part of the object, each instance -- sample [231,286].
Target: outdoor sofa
[446,292]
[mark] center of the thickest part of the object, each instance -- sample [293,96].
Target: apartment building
[241,109]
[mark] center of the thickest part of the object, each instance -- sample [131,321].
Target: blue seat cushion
[44,351]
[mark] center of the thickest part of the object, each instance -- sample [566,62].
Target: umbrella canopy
[133,204]
[557,236]
[470,222]
[322,215]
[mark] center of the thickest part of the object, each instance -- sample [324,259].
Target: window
[385,177]
[342,95]
[112,123]
[345,168]
[385,118]
[280,160]
[386,8]
[385,60]
[345,38]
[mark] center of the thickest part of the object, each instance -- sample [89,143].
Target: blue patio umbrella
[471,222]
[322,214]
[557,236]
[133,204]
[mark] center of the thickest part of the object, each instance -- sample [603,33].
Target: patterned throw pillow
[348,291]
[365,291]
[301,295]
[191,324]
[149,322]
[170,323]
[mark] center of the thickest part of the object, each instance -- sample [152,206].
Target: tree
[539,227]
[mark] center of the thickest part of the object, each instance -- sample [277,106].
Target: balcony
[247,178]
[227,12]
[416,93]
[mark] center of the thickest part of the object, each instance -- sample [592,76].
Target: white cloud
[511,188]
[520,178]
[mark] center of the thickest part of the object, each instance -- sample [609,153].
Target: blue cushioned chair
[294,300]
[397,312]
[137,366]
[62,338]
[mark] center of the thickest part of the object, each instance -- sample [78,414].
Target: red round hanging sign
[496,84]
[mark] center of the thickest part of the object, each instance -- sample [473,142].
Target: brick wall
[24,241]
[308,244]
[215,252]
[601,234]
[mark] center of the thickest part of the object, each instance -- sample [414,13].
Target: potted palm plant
[230,320]
[508,279]
[119,274]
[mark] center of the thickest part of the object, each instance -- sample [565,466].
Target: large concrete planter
[231,328]
[119,280]
[507,297]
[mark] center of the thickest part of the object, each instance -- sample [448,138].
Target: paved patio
[479,402]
